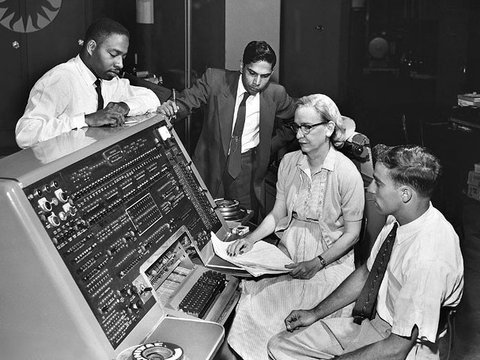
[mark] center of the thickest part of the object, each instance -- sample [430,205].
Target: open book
[263,258]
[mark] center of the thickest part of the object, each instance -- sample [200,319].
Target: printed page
[263,258]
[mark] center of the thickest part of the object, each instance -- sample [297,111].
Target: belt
[295,216]
[249,152]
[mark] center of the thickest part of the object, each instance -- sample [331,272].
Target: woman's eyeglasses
[306,128]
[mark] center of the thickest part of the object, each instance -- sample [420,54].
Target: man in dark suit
[230,98]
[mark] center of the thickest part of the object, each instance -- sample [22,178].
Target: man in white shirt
[221,92]
[72,95]
[423,276]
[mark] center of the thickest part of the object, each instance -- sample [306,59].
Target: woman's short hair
[259,51]
[410,165]
[327,110]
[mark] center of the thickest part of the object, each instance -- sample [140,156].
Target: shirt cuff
[141,108]
[78,121]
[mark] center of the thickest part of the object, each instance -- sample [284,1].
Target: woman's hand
[305,269]
[240,246]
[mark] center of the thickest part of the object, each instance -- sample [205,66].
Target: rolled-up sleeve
[353,196]
[45,115]
[140,100]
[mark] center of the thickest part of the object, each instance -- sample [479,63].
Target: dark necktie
[364,307]
[98,89]
[235,154]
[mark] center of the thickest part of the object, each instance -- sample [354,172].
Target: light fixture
[144,11]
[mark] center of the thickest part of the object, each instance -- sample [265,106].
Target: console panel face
[108,213]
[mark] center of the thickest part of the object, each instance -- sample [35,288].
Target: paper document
[133,120]
[263,258]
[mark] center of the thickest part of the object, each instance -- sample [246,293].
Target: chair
[446,331]
[357,148]
[372,223]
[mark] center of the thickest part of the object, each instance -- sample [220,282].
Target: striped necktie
[364,307]
[235,154]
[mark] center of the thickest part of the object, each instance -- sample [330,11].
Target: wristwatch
[322,261]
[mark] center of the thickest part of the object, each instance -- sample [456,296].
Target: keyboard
[203,293]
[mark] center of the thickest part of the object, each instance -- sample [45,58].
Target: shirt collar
[328,163]
[416,225]
[85,72]
[241,90]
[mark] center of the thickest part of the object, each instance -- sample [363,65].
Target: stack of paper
[472,99]
[263,258]
[473,183]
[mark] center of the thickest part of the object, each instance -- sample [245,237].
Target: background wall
[314,43]
[377,94]
[29,51]
[249,20]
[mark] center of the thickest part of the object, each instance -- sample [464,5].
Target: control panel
[109,212]
[185,289]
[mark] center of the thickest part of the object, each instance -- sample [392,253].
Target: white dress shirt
[250,135]
[61,98]
[425,273]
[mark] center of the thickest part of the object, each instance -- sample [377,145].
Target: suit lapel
[226,108]
[267,117]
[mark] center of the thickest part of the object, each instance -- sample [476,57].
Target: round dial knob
[54,220]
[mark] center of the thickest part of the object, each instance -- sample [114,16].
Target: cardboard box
[473,178]
[473,192]
[477,167]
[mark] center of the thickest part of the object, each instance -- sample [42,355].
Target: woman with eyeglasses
[317,216]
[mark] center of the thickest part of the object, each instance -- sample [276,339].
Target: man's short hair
[410,165]
[100,29]
[259,51]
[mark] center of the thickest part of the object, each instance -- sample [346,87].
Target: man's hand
[113,114]
[119,107]
[168,108]
[240,246]
[305,269]
[299,318]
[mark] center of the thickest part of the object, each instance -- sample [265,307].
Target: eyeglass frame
[305,128]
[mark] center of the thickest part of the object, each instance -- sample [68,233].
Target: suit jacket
[217,89]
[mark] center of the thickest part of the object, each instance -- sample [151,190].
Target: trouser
[327,338]
[331,337]
[241,188]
